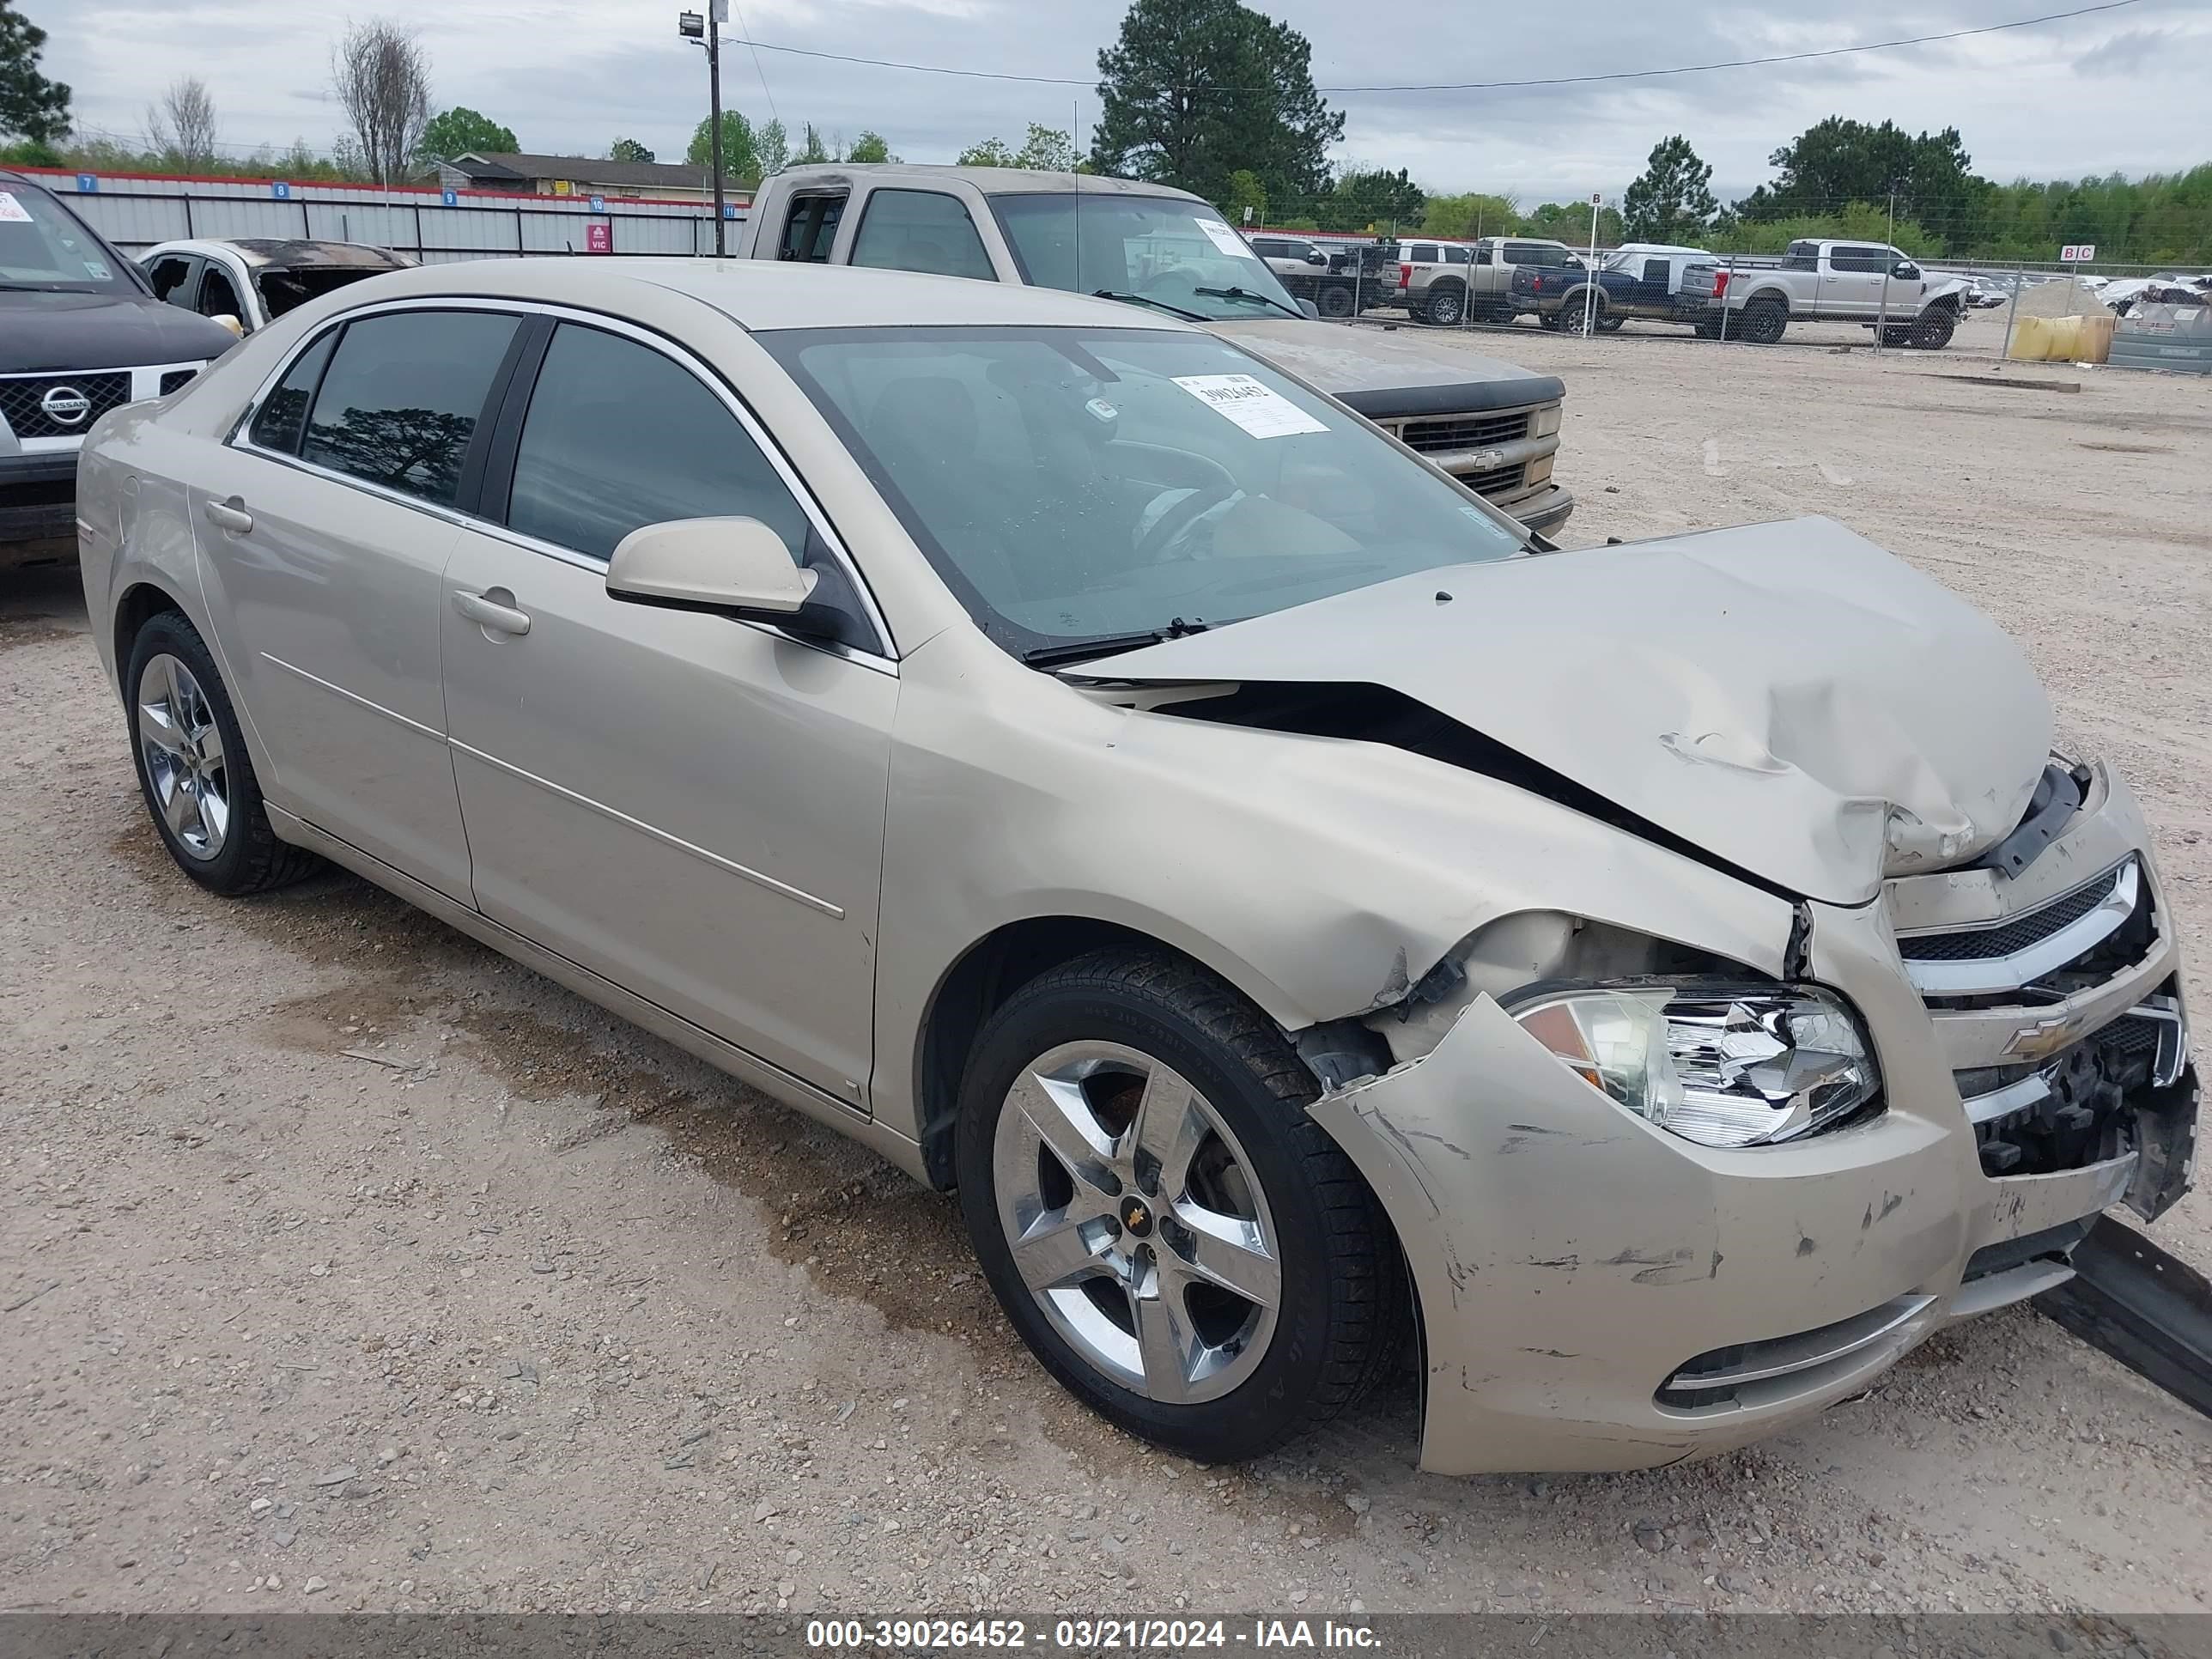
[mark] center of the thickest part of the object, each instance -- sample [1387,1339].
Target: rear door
[324,528]
[688,804]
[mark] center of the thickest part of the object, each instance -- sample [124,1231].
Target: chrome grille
[1497,481]
[1981,944]
[22,402]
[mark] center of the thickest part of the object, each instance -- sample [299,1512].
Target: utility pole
[707,31]
[1888,266]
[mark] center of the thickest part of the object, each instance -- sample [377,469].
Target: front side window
[1158,248]
[403,396]
[168,275]
[920,230]
[44,247]
[1867,259]
[1074,484]
[618,435]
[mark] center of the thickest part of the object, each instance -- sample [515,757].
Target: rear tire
[1336,303]
[1761,322]
[193,771]
[1139,1087]
[1444,308]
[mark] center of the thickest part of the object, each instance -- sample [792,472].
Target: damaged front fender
[1569,1258]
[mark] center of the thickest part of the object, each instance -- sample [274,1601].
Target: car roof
[991,181]
[764,295]
[291,253]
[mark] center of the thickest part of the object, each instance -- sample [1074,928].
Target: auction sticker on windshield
[1224,238]
[1258,407]
[12,211]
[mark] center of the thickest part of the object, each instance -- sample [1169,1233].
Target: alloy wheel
[1135,1221]
[181,747]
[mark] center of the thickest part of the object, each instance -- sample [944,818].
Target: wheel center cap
[1136,1218]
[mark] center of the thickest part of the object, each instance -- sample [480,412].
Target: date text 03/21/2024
[1087,1635]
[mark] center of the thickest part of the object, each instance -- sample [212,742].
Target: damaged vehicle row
[1292,908]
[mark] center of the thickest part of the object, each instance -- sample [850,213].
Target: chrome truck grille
[1502,456]
[2054,1037]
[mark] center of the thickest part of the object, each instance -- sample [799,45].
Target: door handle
[230,516]
[488,612]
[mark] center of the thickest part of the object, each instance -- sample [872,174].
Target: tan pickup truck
[1491,425]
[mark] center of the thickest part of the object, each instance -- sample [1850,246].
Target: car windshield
[1079,485]
[42,246]
[1161,248]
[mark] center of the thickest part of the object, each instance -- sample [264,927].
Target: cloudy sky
[2123,90]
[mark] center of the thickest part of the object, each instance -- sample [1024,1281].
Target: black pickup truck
[1640,280]
[81,334]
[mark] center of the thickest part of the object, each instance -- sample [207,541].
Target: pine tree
[1673,200]
[31,107]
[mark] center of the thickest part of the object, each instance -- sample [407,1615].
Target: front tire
[1175,1240]
[193,771]
[1932,329]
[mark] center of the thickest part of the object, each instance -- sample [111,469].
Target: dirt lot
[346,1266]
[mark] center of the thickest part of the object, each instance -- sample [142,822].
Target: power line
[1475,86]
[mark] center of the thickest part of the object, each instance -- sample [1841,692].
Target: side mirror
[1316,257]
[230,323]
[1310,307]
[1904,270]
[730,567]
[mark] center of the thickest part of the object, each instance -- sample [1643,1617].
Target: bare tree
[183,123]
[382,79]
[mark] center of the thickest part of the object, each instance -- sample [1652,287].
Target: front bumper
[37,507]
[1571,1262]
[1545,510]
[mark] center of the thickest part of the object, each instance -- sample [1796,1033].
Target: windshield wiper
[1247,293]
[1156,305]
[1054,656]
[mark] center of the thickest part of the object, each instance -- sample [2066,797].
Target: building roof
[519,167]
[767,294]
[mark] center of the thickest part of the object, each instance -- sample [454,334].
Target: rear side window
[1421,253]
[920,230]
[1656,270]
[1455,256]
[618,435]
[403,396]
[810,230]
[283,413]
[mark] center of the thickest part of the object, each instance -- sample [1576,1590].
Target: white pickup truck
[1824,281]
[1492,425]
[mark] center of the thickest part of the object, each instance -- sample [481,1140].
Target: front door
[324,531]
[688,804]
[1850,286]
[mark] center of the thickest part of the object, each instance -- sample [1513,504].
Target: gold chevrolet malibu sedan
[1299,911]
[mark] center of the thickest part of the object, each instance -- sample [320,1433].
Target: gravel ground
[344,1265]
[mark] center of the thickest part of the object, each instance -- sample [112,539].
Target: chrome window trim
[1986,976]
[241,438]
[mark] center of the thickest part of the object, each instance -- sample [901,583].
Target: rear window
[920,230]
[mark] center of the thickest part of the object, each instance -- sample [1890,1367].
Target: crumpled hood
[1787,696]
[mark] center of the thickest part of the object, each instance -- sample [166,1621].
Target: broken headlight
[1722,1065]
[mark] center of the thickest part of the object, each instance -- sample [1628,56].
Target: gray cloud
[2090,95]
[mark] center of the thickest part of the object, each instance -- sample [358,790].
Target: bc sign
[2077,253]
